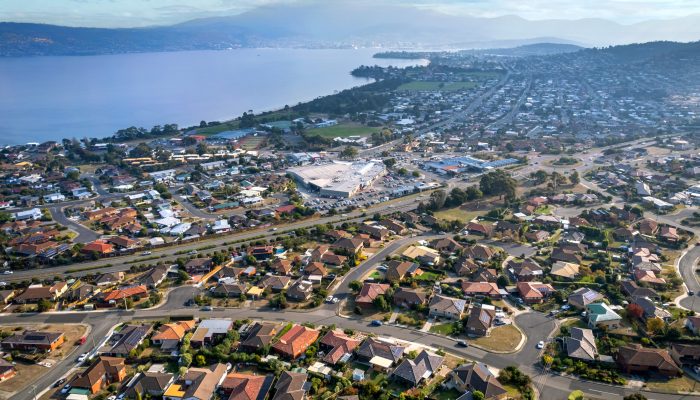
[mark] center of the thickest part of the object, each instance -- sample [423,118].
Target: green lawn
[444,394]
[427,276]
[436,86]
[457,214]
[343,130]
[442,329]
[501,338]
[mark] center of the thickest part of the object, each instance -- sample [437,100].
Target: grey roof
[423,366]
[291,386]
[478,377]
[581,344]
[447,304]
[585,296]
[129,338]
[153,383]
[373,347]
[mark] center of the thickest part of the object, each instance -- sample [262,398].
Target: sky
[131,13]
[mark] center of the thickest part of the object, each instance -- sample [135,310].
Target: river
[51,98]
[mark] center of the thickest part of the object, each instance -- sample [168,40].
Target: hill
[331,24]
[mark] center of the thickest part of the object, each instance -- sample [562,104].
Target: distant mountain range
[337,25]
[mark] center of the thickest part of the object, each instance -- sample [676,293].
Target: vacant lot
[502,338]
[458,213]
[416,86]
[343,130]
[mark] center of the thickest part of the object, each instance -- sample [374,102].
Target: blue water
[50,98]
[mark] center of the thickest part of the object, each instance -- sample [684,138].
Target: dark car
[59,382]
[462,343]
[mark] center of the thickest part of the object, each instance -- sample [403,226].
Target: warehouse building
[338,179]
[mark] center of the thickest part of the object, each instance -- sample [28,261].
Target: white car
[540,344]
[335,300]
[8,272]
[3,283]
[83,357]
[329,299]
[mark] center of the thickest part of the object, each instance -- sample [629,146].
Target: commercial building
[338,179]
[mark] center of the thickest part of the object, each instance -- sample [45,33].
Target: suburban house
[197,384]
[148,383]
[473,377]
[480,320]
[602,314]
[301,290]
[33,340]
[581,344]
[446,307]
[369,292]
[685,355]
[415,371]
[348,246]
[693,324]
[128,339]
[422,254]
[404,297]
[582,297]
[35,293]
[238,386]
[338,346]
[380,354]
[210,331]
[396,270]
[524,271]
[198,266]
[7,370]
[480,252]
[486,289]
[565,270]
[446,245]
[291,386]
[121,294]
[534,292]
[259,336]
[295,342]
[170,335]
[634,359]
[102,373]
[275,283]
[154,277]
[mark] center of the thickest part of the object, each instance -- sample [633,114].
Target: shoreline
[190,119]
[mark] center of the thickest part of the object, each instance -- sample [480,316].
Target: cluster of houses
[404,363]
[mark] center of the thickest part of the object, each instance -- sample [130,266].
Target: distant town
[489,226]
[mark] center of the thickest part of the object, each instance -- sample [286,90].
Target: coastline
[223,87]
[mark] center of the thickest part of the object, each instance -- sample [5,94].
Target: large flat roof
[339,176]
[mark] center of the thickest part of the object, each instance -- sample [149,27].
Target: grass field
[682,384]
[502,338]
[436,86]
[457,213]
[443,329]
[343,130]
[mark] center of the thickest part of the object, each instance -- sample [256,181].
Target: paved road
[123,263]
[85,235]
[535,325]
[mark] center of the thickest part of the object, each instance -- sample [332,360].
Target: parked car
[65,389]
[540,344]
[462,343]
[146,253]
[59,382]
[83,357]
[376,322]
[207,308]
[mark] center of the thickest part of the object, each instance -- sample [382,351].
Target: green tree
[349,152]
[498,183]
[477,395]
[390,162]
[186,359]
[200,360]
[44,305]
[575,178]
